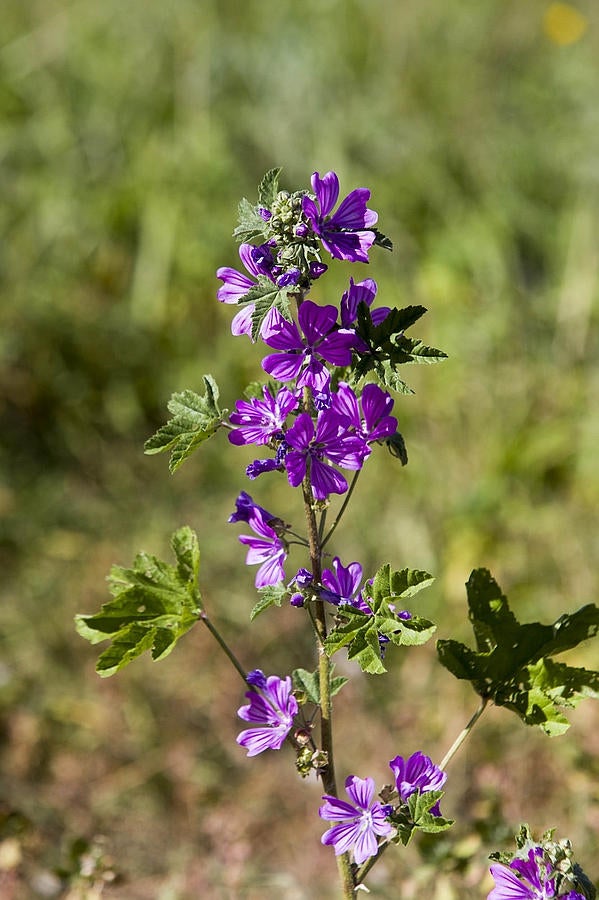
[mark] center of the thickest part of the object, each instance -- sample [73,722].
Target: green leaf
[411,350]
[271,595]
[194,420]
[265,295]
[388,347]
[420,805]
[251,224]
[359,631]
[269,187]
[512,664]
[415,815]
[154,604]
[309,684]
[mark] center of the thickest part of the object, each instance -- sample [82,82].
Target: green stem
[226,649]
[464,734]
[342,510]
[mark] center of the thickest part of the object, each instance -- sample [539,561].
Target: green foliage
[265,295]
[512,666]
[269,187]
[415,815]
[154,604]
[308,683]
[271,595]
[195,419]
[388,347]
[360,631]
[251,224]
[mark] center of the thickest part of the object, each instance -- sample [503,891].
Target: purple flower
[257,261]
[267,549]
[363,292]
[261,420]
[332,440]
[342,585]
[344,234]
[271,709]
[361,820]
[302,359]
[370,414]
[303,578]
[418,772]
[526,879]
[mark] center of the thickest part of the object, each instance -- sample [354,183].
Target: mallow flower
[524,879]
[341,585]
[331,441]
[267,549]
[302,357]
[270,710]
[258,421]
[360,822]
[369,414]
[417,772]
[257,261]
[362,292]
[344,234]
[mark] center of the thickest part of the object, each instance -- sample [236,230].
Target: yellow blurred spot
[563,24]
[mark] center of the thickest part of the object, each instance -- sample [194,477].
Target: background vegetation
[128,132]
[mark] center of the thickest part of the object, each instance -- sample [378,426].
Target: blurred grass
[128,132]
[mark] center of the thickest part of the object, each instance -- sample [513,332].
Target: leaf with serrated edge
[154,604]
[512,665]
[251,225]
[309,683]
[194,420]
[271,595]
[269,187]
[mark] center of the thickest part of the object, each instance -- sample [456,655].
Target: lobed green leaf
[194,420]
[271,595]
[360,632]
[309,684]
[251,224]
[154,604]
[269,187]
[512,664]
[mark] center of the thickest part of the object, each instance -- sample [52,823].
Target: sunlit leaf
[154,604]
[512,664]
[194,420]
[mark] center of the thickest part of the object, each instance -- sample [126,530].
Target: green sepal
[269,187]
[194,420]
[359,631]
[251,224]
[512,664]
[415,815]
[270,595]
[154,604]
[308,683]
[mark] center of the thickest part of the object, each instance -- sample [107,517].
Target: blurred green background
[128,133]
